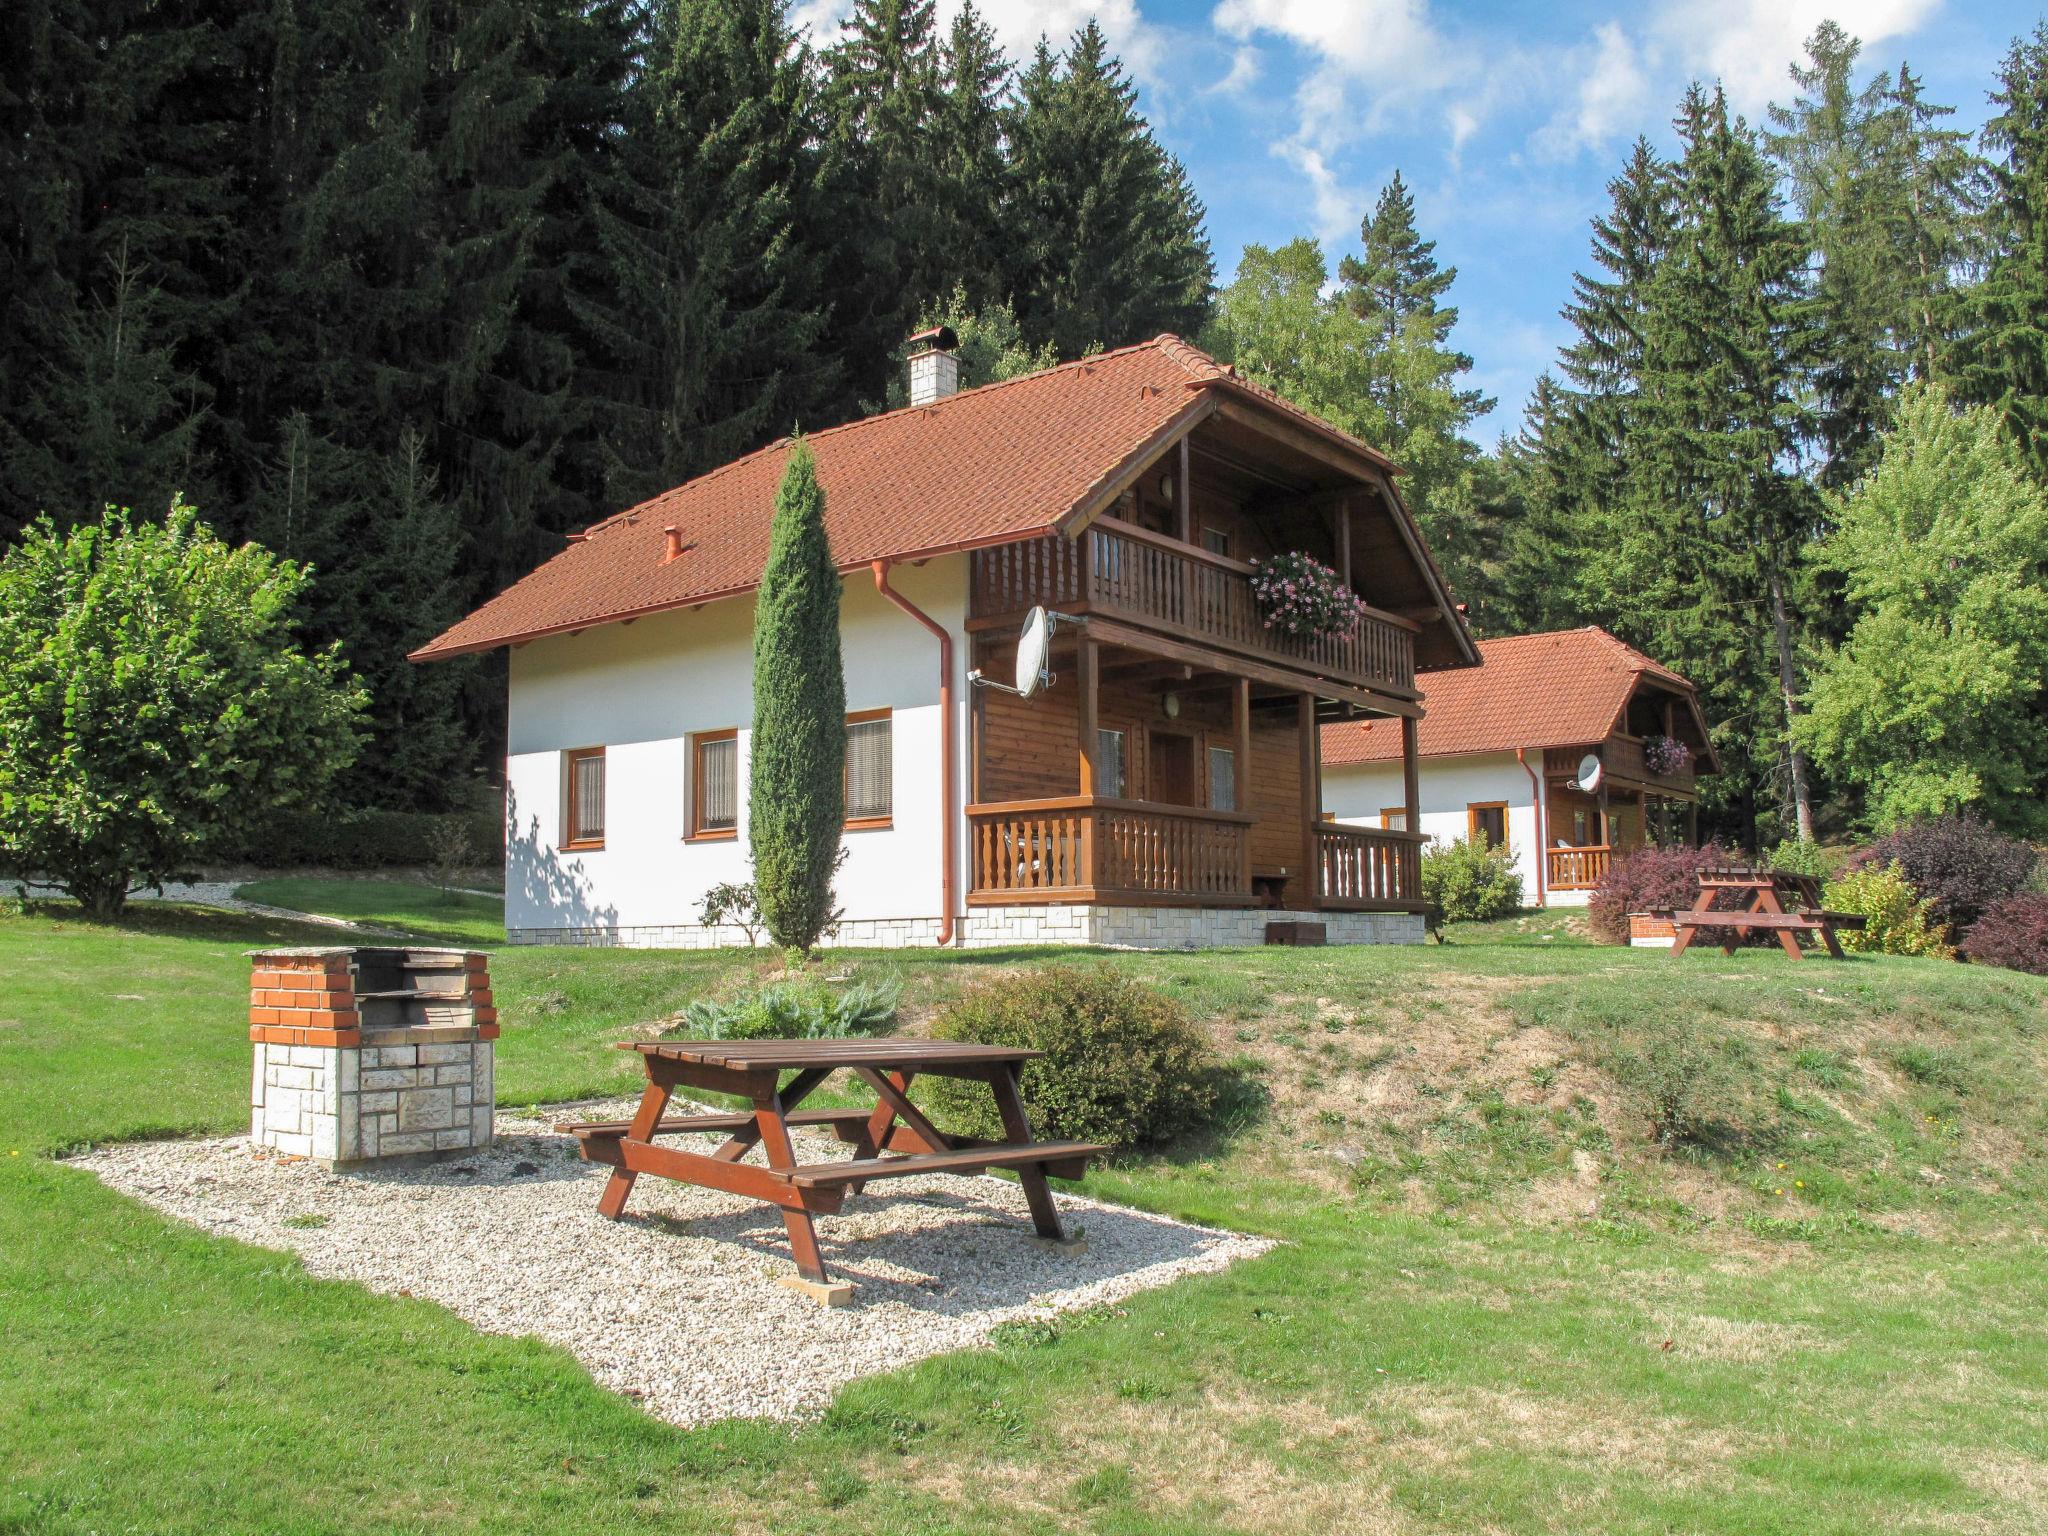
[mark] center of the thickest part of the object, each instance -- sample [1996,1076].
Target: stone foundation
[990,927]
[366,1054]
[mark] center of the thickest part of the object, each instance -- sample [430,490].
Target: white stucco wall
[641,690]
[1357,794]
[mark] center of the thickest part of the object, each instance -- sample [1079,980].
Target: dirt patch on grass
[1742,1341]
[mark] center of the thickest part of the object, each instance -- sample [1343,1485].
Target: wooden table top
[763,1055]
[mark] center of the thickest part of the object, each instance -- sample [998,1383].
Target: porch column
[1411,774]
[1241,756]
[1692,823]
[1184,495]
[1311,800]
[1344,541]
[1089,671]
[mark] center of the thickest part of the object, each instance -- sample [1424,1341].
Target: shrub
[792,1013]
[1961,864]
[154,701]
[1900,919]
[1469,881]
[332,838]
[1816,859]
[2013,933]
[1648,879]
[1123,1063]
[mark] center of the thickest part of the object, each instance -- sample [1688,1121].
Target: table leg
[740,1143]
[875,1134]
[773,1132]
[1017,1128]
[1701,903]
[645,1120]
[1767,901]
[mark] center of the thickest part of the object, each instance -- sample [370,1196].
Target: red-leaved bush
[1647,880]
[2012,933]
[1962,864]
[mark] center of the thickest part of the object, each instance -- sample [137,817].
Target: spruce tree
[1106,232]
[974,173]
[2002,354]
[711,316]
[796,790]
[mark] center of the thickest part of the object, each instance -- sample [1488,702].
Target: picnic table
[1768,890]
[892,1140]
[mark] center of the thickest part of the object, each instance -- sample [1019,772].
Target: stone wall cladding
[361,1092]
[1646,932]
[989,927]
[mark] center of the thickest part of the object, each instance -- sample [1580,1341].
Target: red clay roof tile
[985,466]
[1566,688]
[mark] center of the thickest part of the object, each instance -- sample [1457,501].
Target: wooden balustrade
[1092,848]
[1368,868]
[1577,869]
[1623,758]
[1161,584]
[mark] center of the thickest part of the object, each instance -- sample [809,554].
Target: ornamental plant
[155,704]
[797,779]
[1962,864]
[1302,597]
[1647,880]
[1898,920]
[1666,755]
[1469,881]
[2013,933]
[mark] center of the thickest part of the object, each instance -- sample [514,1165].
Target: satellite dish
[1033,648]
[1590,771]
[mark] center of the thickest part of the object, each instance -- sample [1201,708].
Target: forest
[408,290]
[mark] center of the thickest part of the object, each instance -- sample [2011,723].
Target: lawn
[426,911]
[1505,1302]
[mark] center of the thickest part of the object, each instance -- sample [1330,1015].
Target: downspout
[949,792]
[1542,835]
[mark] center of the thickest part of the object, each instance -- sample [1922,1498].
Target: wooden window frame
[1210,530]
[1123,790]
[1229,749]
[1387,815]
[696,831]
[570,758]
[1472,810]
[872,823]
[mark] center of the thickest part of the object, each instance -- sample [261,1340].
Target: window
[715,784]
[1216,541]
[1488,820]
[1394,818]
[1222,779]
[583,798]
[1109,764]
[870,779]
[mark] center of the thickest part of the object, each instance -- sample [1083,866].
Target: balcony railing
[1368,869]
[1161,584]
[1091,848]
[1623,757]
[1577,869]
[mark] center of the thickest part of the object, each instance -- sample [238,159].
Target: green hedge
[338,839]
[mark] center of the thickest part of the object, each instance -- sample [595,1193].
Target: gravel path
[676,1305]
[221,893]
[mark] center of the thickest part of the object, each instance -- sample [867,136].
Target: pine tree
[2002,353]
[1412,376]
[796,790]
[885,96]
[1700,561]
[1106,232]
[974,172]
[712,313]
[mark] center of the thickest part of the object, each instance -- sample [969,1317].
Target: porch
[1635,804]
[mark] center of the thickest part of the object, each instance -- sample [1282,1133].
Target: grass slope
[1505,1303]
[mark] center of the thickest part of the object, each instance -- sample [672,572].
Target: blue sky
[1506,121]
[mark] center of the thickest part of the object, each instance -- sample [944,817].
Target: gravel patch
[677,1304]
[221,893]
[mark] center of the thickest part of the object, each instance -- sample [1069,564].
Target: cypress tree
[2003,351]
[1107,239]
[796,794]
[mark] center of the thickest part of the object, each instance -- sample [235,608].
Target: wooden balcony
[1367,869]
[1088,848]
[1576,869]
[1623,759]
[1160,584]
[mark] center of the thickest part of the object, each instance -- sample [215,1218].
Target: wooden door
[1172,760]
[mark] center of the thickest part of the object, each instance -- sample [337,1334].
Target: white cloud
[1612,99]
[1245,69]
[1748,44]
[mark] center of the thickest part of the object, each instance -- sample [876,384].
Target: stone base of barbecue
[345,1090]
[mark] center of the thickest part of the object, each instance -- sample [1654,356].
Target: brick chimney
[934,370]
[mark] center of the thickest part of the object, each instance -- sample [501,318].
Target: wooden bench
[1060,1159]
[846,1124]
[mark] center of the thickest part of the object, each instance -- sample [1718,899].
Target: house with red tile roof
[1156,781]
[1570,747]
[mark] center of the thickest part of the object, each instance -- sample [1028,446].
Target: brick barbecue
[371,1053]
